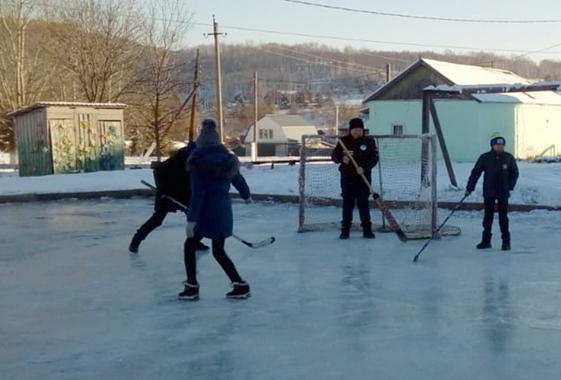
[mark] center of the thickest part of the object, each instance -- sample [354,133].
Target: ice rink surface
[75,304]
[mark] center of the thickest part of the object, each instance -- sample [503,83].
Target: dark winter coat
[365,153]
[501,174]
[212,170]
[172,178]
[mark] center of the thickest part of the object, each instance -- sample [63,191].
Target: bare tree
[99,42]
[162,74]
[23,74]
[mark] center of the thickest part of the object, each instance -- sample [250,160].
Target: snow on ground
[75,304]
[539,184]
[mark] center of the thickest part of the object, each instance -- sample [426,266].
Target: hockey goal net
[405,178]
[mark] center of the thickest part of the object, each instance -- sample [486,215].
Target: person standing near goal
[212,169]
[501,174]
[354,190]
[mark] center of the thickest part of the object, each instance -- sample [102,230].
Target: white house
[530,122]
[279,135]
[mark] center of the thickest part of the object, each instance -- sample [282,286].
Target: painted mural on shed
[59,137]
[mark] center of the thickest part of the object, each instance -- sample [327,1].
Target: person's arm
[337,154]
[241,185]
[512,174]
[475,174]
[372,156]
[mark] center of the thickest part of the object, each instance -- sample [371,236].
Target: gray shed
[60,137]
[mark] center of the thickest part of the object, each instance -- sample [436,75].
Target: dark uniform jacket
[501,174]
[364,152]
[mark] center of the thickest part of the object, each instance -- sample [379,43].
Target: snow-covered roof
[289,120]
[457,74]
[469,74]
[296,133]
[541,97]
[38,105]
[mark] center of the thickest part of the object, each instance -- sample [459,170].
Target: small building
[279,135]
[60,137]
[530,122]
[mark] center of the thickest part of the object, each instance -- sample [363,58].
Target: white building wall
[538,127]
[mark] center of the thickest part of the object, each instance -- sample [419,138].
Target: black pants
[219,254]
[355,192]
[156,220]
[503,217]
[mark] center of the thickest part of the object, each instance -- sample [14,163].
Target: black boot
[367,231]
[345,232]
[135,243]
[201,247]
[506,242]
[485,241]
[190,293]
[241,290]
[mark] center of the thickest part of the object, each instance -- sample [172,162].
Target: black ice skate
[190,293]
[485,242]
[241,291]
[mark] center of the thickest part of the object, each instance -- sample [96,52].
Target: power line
[401,15]
[277,32]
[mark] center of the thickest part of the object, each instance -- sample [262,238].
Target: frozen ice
[75,304]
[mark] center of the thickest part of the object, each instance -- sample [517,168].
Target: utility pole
[255,117]
[388,72]
[194,103]
[218,78]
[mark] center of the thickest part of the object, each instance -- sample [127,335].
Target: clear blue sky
[289,17]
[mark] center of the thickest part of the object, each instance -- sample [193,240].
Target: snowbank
[539,184]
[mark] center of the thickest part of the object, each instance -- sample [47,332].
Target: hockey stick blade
[260,244]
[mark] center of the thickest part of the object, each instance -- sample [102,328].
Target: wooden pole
[218,81]
[254,146]
[388,72]
[442,143]
[194,102]
[425,129]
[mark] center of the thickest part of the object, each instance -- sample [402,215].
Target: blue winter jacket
[212,170]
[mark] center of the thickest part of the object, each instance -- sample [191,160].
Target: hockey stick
[381,205]
[185,209]
[439,228]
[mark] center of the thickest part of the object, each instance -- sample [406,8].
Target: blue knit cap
[497,138]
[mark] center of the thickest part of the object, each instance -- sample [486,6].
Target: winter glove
[191,229]
[360,170]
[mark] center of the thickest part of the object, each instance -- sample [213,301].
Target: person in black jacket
[354,190]
[171,179]
[501,174]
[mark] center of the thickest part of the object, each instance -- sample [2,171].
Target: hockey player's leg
[349,194]
[191,290]
[151,224]
[489,206]
[503,222]
[364,211]
[241,288]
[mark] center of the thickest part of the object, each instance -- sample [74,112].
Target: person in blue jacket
[501,174]
[212,169]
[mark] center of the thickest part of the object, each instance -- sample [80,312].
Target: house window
[265,134]
[398,130]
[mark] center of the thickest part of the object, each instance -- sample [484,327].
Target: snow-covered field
[539,184]
[75,304]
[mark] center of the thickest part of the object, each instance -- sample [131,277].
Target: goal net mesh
[405,178]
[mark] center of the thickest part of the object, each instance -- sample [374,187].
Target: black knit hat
[356,123]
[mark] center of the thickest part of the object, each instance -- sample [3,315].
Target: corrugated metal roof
[38,105]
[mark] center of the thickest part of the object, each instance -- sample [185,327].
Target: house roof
[289,120]
[456,74]
[296,133]
[38,105]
